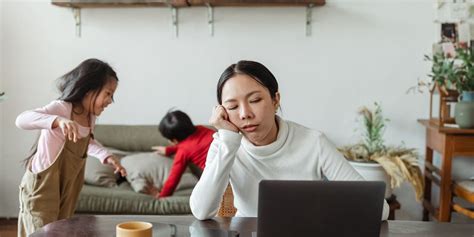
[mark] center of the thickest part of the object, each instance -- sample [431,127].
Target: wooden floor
[8,227]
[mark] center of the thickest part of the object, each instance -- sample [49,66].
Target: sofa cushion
[136,138]
[99,174]
[152,168]
[123,200]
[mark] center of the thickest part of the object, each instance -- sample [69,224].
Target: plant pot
[373,172]
[464,110]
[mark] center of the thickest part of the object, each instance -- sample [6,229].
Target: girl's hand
[220,119]
[159,149]
[69,128]
[112,160]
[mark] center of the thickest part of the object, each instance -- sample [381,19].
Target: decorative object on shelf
[464,110]
[375,161]
[464,82]
[445,72]
[173,5]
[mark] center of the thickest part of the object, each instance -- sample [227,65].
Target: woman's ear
[276,101]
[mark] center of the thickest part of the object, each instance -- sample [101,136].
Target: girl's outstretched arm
[44,117]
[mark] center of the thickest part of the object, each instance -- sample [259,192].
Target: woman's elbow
[198,211]
[200,214]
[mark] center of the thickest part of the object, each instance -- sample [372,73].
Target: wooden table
[449,142]
[82,226]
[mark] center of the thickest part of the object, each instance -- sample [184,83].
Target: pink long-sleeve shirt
[51,140]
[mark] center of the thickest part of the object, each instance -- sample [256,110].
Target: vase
[373,172]
[464,110]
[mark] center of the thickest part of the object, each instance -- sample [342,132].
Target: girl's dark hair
[176,125]
[89,76]
[256,70]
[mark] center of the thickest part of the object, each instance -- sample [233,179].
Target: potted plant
[445,71]
[376,161]
[464,83]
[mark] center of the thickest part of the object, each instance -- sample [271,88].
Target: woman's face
[251,108]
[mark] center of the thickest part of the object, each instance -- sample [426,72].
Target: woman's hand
[161,150]
[69,128]
[112,160]
[220,119]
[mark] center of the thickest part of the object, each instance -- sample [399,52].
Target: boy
[189,144]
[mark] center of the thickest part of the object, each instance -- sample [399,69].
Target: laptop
[320,208]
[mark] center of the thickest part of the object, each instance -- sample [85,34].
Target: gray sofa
[121,198]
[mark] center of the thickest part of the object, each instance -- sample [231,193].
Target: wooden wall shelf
[183,3]
[77,5]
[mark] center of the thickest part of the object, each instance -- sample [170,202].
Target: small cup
[134,229]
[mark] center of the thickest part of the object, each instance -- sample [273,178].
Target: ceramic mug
[134,229]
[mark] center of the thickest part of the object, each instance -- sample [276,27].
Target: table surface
[85,225]
[430,124]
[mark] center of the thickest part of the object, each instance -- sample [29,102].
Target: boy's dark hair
[176,125]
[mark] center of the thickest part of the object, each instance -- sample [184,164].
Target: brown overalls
[51,194]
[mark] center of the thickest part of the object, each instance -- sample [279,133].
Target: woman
[253,143]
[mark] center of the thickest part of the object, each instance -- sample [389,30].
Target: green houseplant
[464,82]
[452,75]
[399,163]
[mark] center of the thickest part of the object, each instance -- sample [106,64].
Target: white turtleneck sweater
[299,153]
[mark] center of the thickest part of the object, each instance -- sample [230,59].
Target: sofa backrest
[129,137]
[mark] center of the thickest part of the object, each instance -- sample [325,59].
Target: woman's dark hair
[256,70]
[176,125]
[91,75]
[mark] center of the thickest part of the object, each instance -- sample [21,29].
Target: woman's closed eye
[255,100]
[232,107]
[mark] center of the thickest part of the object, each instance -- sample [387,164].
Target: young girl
[253,144]
[55,171]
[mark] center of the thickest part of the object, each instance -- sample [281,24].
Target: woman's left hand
[112,160]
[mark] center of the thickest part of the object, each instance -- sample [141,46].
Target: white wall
[360,52]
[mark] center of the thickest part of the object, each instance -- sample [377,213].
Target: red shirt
[192,149]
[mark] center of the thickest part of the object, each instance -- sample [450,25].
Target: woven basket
[227,208]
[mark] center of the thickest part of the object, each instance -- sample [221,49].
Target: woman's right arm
[207,194]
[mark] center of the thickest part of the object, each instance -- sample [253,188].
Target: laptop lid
[320,208]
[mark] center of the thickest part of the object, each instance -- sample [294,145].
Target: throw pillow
[99,174]
[152,168]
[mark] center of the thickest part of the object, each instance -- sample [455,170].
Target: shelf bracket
[210,19]
[77,18]
[309,14]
